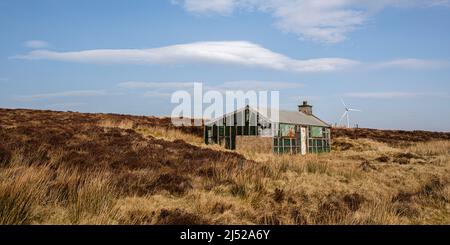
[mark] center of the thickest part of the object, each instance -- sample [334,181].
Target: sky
[388,58]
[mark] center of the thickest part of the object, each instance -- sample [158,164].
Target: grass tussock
[169,134]
[20,192]
[30,195]
[69,168]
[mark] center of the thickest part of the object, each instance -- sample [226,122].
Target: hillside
[392,137]
[75,168]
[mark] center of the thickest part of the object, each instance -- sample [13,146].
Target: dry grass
[122,124]
[169,134]
[435,148]
[105,171]
[30,195]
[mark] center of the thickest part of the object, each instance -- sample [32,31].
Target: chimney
[305,108]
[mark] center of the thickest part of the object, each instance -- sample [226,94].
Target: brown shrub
[431,187]
[278,195]
[405,209]
[392,137]
[342,145]
[172,182]
[332,210]
[147,157]
[220,207]
[405,158]
[430,191]
[354,201]
[85,144]
[402,161]
[208,172]
[269,219]
[178,217]
[403,197]
[408,155]
[5,156]
[239,190]
[135,183]
[367,166]
[383,158]
[137,217]
[297,217]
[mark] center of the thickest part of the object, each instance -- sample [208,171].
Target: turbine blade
[350,109]
[342,117]
[343,103]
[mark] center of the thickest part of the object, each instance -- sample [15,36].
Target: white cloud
[225,52]
[162,90]
[157,90]
[239,53]
[412,64]
[210,6]
[65,106]
[393,95]
[3,79]
[74,93]
[229,85]
[155,94]
[258,85]
[35,44]
[323,21]
[326,21]
[156,85]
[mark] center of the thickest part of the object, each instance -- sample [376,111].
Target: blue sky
[391,59]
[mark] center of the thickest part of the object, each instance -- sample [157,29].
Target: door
[233,138]
[303,140]
[230,137]
[227,138]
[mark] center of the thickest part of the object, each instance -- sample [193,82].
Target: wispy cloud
[318,20]
[393,95]
[229,85]
[163,90]
[3,79]
[225,52]
[74,93]
[238,53]
[412,64]
[211,6]
[156,85]
[156,94]
[259,85]
[301,98]
[65,106]
[158,90]
[35,44]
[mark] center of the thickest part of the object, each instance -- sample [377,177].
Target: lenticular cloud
[225,52]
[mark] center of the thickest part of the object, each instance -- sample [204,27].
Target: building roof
[297,117]
[291,117]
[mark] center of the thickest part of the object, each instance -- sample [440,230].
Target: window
[253,130]
[285,145]
[319,140]
[238,130]
[288,139]
[315,132]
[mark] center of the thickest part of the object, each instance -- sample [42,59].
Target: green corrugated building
[296,132]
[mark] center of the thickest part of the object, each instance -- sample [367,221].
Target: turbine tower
[347,113]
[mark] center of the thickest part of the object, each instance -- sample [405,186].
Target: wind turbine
[347,113]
